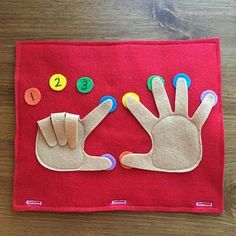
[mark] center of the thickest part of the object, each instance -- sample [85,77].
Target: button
[57,82]
[114,102]
[184,76]
[32,96]
[120,157]
[150,79]
[203,95]
[131,94]
[112,159]
[84,85]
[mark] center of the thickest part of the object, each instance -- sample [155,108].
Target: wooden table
[115,20]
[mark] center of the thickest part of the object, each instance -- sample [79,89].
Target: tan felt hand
[176,138]
[60,141]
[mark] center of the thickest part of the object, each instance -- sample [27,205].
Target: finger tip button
[120,159]
[210,93]
[152,78]
[110,100]
[182,76]
[129,95]
[112,159]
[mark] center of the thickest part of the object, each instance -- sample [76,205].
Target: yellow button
[57,82]
[131,94]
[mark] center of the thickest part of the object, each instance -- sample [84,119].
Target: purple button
[203,95]
[112,159]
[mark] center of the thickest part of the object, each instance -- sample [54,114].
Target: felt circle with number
[32,96]
[57,82]
[84,85]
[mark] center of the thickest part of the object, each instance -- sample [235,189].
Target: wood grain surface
[115,20]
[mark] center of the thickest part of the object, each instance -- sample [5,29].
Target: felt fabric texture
[68,132]
[116,69]
[58,121]
[71,127]
[47,131]
[176,138]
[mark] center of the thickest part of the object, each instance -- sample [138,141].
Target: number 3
[85,85]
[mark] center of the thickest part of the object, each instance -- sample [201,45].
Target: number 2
[58,84]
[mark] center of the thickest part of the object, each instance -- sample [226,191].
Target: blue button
[114,102]
[184,76]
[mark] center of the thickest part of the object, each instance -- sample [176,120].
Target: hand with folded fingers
[60,141]
[176,137]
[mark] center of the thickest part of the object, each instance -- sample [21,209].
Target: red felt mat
[116,68]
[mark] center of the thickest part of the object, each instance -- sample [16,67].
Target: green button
[150,79]
[84,85]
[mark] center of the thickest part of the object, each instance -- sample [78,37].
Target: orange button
[120,157]
[32,96]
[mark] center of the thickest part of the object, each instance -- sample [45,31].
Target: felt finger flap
[57,77]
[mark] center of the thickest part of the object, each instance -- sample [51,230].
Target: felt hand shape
[176,138]
[60,141]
